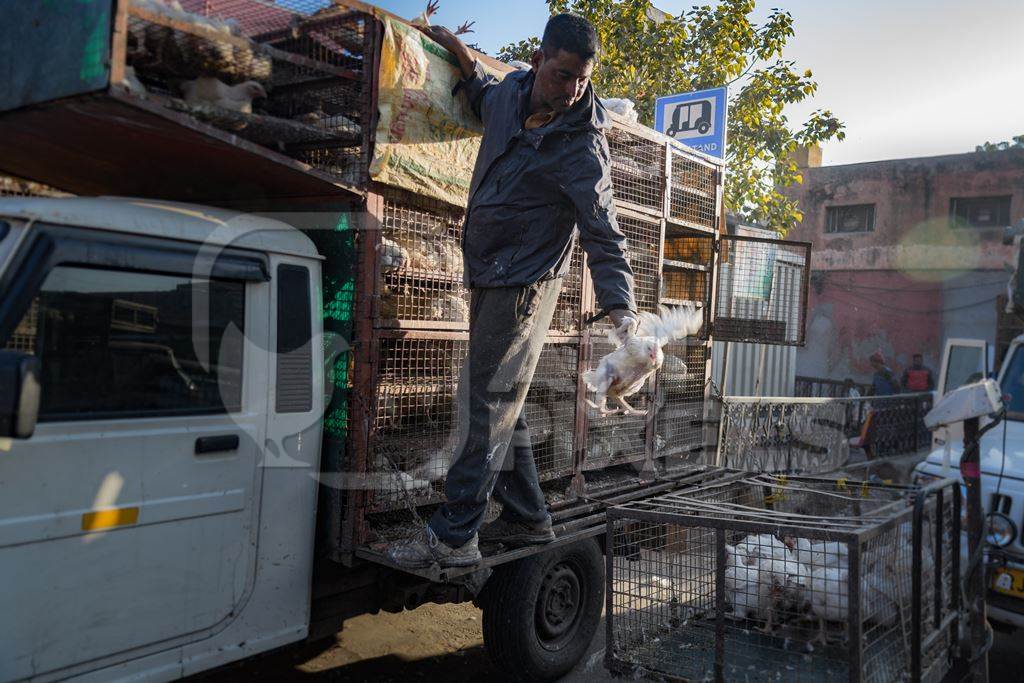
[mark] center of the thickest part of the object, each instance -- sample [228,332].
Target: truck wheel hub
[558,603]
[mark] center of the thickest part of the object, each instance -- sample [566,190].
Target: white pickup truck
[162,389]
[1002,470]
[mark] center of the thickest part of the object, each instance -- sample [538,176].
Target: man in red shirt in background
[918,377]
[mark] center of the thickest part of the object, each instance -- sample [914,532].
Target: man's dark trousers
[507,327]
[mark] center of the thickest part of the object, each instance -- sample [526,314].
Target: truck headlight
[1000,530]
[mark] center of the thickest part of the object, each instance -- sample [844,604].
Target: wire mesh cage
[568,317]
[421,268]
[687,269]
[615,439]
[693,190]
[795,579]
[420,262]
[762,290]
[415,416]
[551,409]
[275,76]
[643,250]
[414,419]
[679,408]
[637,169]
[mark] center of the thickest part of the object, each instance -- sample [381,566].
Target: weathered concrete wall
[912,202]
[914,281]
[852,314]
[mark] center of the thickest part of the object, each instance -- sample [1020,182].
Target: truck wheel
[541,612]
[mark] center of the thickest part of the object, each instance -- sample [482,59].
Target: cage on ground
[773,578]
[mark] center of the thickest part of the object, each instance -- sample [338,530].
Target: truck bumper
[1002,608]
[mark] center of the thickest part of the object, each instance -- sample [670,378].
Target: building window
[980,212]
[854,218]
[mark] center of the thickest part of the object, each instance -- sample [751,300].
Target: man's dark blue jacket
[532,188]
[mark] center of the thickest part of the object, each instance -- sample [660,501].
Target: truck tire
[540,613]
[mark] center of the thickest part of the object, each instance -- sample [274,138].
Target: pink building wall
[915,280]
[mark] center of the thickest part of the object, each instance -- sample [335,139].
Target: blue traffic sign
[696,119]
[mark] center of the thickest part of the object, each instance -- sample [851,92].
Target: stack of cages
[692,215]
[416,343]
[668,201]
[292,78]
[762,290]
[767,578]
[243,103]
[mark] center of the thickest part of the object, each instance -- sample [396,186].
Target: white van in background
[1002,470]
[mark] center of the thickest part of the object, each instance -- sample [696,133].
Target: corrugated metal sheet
[744,361]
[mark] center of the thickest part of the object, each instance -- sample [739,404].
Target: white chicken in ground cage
[624,371]
[820,553]
[762,576]
[766,576]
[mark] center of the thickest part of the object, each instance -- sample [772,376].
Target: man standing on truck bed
[542,170]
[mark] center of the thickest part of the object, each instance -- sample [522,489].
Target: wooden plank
[119,44]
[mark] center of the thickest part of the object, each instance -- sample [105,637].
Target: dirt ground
[444,642]
[434,642]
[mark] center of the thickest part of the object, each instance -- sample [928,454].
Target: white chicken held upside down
[624,371]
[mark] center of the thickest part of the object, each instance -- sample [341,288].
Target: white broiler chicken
[624,371]
[788,581]
[745,590]
[393,256]
[819,554]
[209,91]
[830,597]
[449,307]
[881,596]
[764,547]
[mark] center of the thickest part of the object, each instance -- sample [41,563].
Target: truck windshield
[1013,385]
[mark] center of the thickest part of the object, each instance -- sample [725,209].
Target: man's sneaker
[426,549]
[515,533]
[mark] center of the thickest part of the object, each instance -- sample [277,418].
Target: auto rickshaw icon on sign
[689,116]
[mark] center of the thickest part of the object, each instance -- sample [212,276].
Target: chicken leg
[821,637]
[602,408]
[769,623]
[626,408]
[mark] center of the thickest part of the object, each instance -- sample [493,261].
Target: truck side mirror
[20,392]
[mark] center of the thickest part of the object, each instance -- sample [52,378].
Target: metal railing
[821,387]
[814,435]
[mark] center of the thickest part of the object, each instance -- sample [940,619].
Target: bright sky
[908,77]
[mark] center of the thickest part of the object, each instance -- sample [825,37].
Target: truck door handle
[216,444]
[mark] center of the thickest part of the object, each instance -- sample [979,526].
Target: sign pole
[970,471]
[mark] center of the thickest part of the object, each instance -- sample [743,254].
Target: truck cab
[160,477]
[1002,471]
